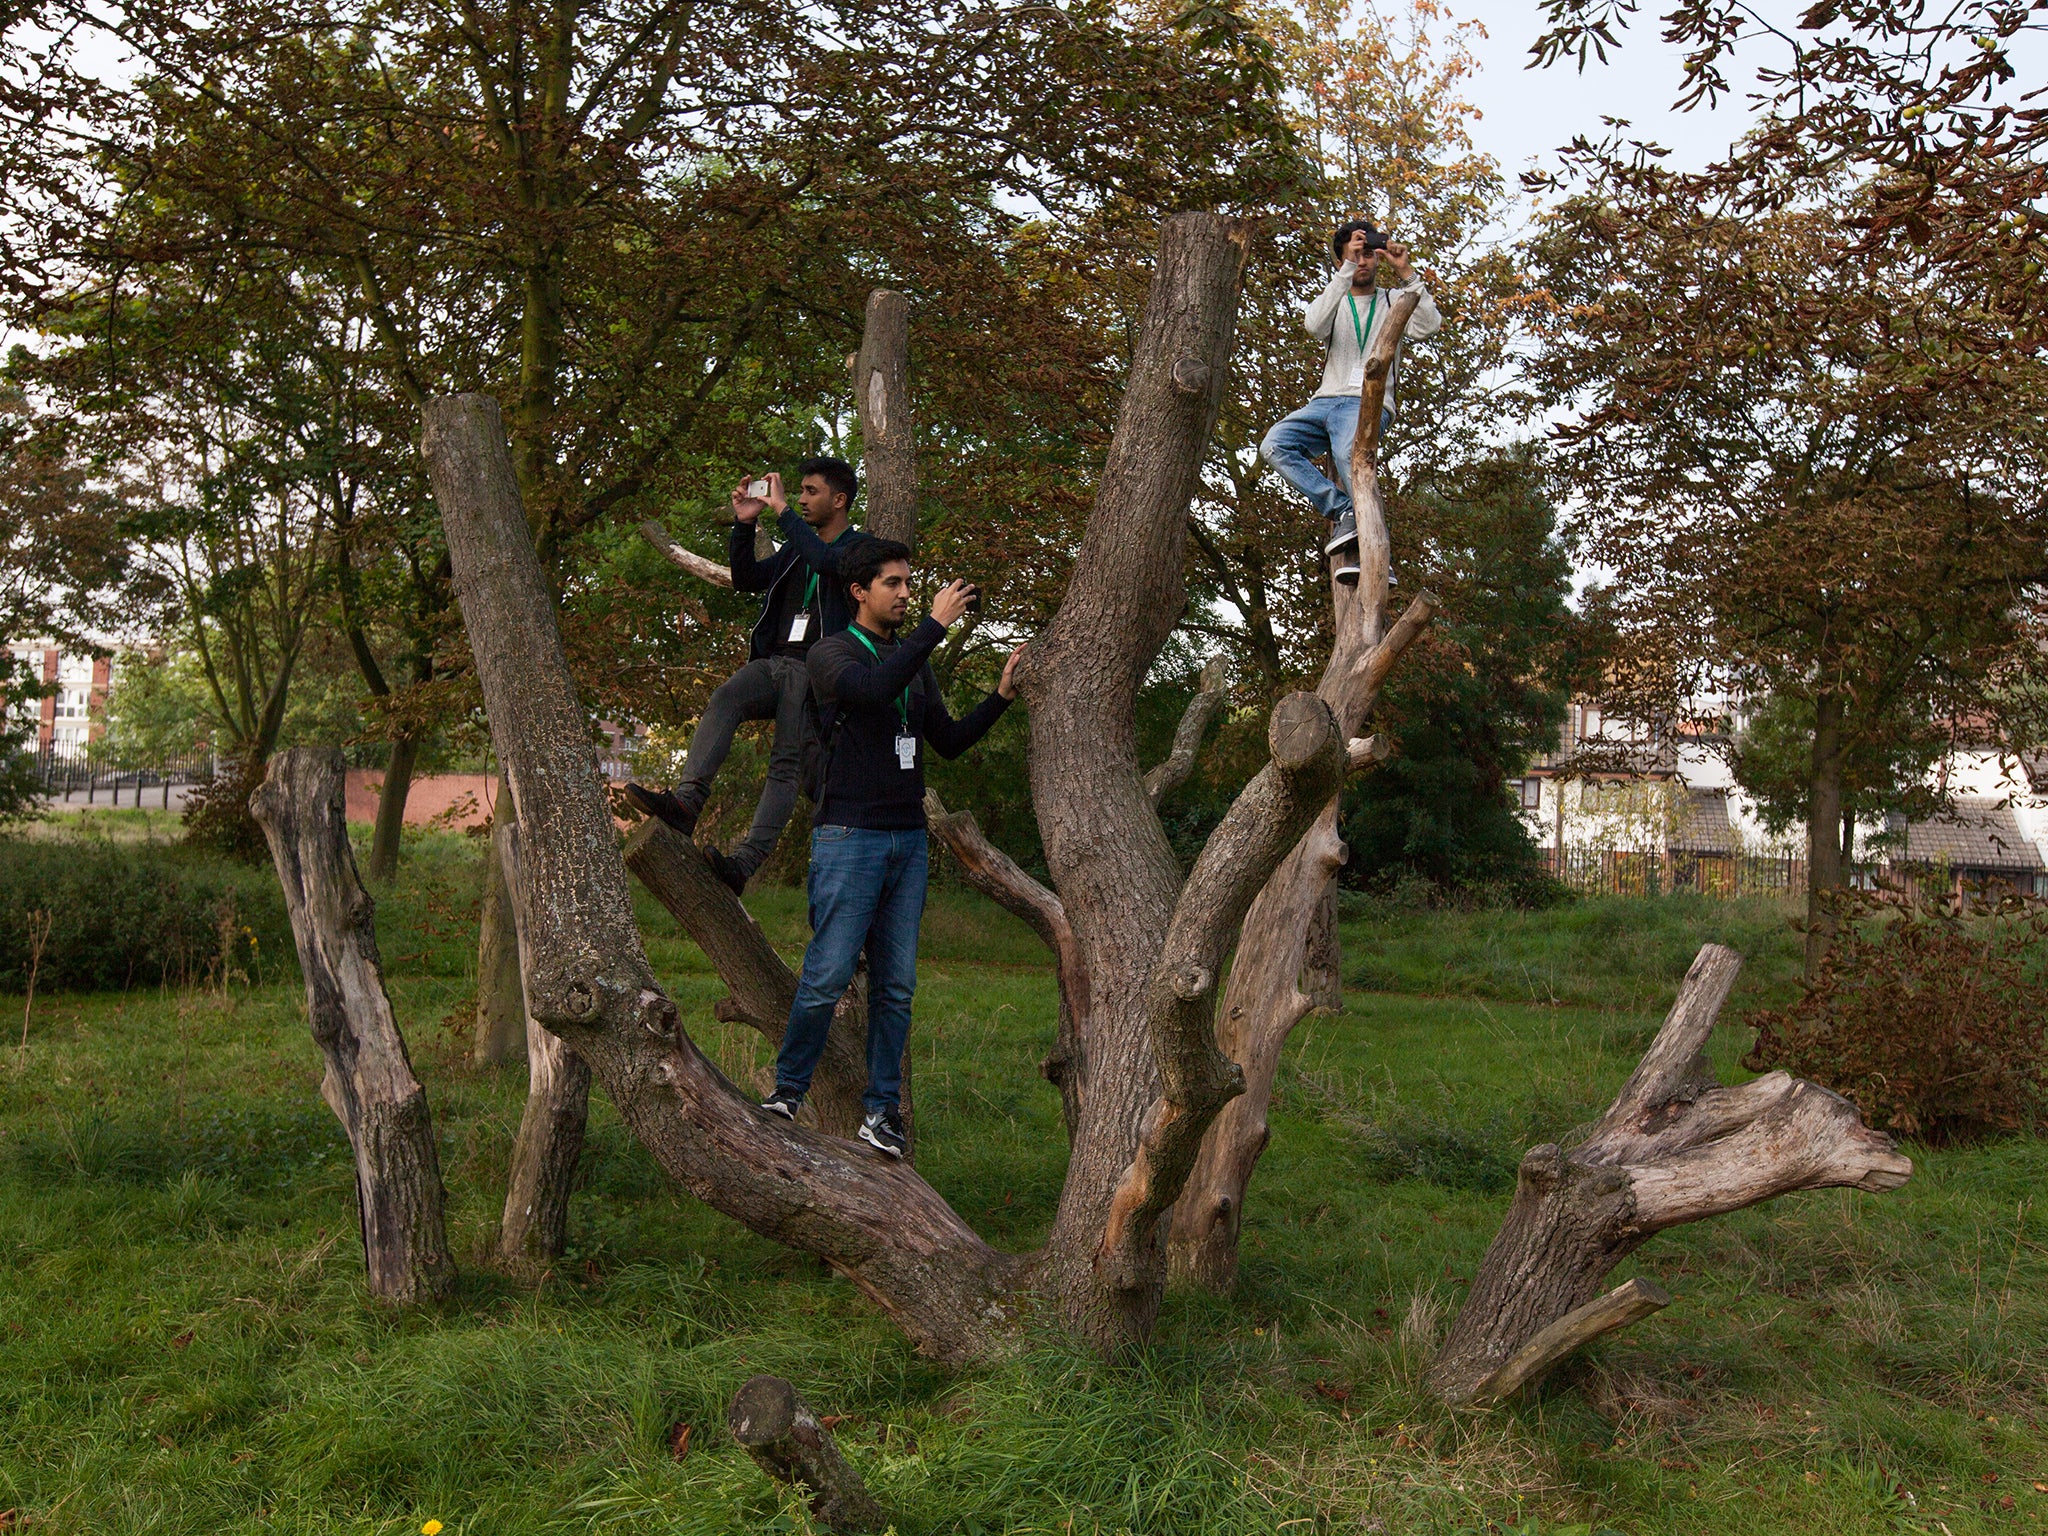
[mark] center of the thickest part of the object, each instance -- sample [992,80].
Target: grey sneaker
[784,1103]
[883,1130]
[1344,564]
[1343,531]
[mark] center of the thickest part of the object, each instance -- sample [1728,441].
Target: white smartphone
[758,489]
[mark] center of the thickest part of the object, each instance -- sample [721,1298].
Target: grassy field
[187,1347]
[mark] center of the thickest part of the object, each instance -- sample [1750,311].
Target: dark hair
[1346,230]
[836,473]
[860,568]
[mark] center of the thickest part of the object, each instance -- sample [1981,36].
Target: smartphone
[758,489]
[974,599]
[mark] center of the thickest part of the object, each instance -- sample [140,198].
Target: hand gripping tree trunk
[1265,998]
[1674,1147]
[535,1225]
[368,1081]
[1153,945]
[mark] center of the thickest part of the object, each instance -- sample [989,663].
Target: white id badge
[799,627]
[906,751]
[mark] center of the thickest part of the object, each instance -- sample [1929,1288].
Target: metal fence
[1619,872]
[95,770]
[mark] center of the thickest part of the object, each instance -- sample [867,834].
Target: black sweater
[866,784]
[803,553]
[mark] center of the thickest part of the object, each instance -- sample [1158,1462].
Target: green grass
[187,1347]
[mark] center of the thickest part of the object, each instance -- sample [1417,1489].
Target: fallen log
[787,1441]
[1674,1147]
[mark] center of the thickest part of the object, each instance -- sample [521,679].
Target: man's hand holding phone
[954,599]
[750,496]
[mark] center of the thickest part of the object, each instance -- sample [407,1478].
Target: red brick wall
[469,795]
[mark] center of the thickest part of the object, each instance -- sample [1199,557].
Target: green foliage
[1884,769]
[1478,696]
[122,916]
[1929,1018]
[217,816]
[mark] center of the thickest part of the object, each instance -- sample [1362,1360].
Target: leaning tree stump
[787,1442]
[369,1083]
[1674,1147]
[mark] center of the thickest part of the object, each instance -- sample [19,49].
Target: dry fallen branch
[778,1429]
[1674,1147]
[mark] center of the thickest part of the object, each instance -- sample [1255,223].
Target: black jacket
[802,551]
[866,784]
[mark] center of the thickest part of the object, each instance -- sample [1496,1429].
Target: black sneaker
[883,1130]
[784,1103]
[1344,564]
[728,869]
[1343,531]
[663,807]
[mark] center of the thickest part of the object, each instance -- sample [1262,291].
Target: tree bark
[1265,997]
[760,986]
[871,1218]
[1674,1147]
[881,396]
[391,798]
[1823,828]
[535,1224]
[500,988]
[1322,967]
[1209,699]
[787,1441]
[368,1081]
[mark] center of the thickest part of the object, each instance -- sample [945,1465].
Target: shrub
[122,916]
[1928,1018]
[217,811]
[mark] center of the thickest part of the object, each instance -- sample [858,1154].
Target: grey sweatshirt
[1330,321]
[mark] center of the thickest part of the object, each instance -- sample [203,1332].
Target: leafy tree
[1884,773]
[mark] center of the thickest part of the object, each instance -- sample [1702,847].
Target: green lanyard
[810,591]
[1371,314]
[902,704]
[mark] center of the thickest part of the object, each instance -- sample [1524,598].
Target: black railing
[99,769]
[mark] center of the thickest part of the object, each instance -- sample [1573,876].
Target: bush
[217,811]
[122,916]
[1930,1020]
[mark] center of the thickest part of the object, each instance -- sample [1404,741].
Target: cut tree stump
[1674,1147]
[368,1082]
[784,1437]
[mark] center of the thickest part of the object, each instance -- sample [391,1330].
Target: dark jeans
[768,688]
[866,889]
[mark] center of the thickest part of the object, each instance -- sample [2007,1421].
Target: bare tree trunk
[1322,968]
[500,991]
[1823,827]
[368,1082]
[1208,701]
[391,798]
[1674,1147]
[535,1224]
[881,396]
[789,1443]
[1265,998]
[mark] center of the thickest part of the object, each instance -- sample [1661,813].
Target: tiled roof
[1701,825]
[1977,834]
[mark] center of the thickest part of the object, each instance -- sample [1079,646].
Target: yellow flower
[431,1528]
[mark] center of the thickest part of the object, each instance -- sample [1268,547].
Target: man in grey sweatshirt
[1346,316]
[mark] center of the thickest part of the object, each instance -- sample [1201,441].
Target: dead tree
[535,1224]
[789,1442]
[368,1081]
[1147,1077]
[1265,998]
[1674,1147]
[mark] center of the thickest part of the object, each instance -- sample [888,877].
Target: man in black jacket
[880,706]
[806,601]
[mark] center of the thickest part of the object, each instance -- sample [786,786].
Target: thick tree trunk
[788,1442]
[1674,1147]
[391,798]
[1823,828]
[1266,998]
[535,1225]
[368,1082]
[872,1218]
[881,395]
[1322,968]
[500,990]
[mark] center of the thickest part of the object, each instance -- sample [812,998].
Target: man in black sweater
[879,706]
[805,602]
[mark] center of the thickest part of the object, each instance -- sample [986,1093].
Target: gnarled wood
[778,1429]
[1674,1147]
[687,559]
[873,1219]
[535,1224]
[368,1081]
[760,985]
[881,396]
[1265,999]
[1209,699]
[1629,1302]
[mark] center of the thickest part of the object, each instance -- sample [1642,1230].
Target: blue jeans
[1328,424]
[866,889]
